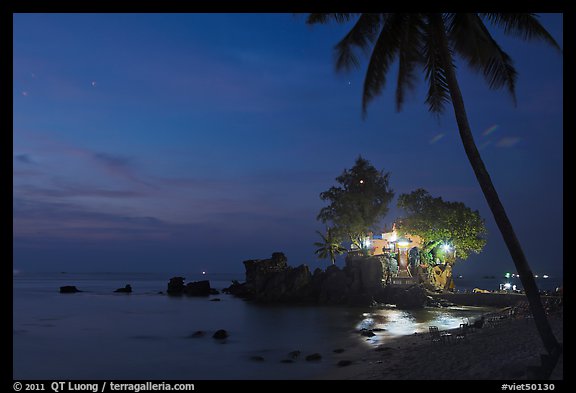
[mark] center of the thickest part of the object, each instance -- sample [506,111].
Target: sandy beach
[501,352]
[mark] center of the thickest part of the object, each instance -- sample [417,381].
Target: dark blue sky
[189,142]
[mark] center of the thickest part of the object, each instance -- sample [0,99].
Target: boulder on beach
[126,289]
[69,289]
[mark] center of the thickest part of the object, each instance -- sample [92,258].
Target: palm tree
[330,246]
[430,41]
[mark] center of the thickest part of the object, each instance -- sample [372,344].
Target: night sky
[189,142]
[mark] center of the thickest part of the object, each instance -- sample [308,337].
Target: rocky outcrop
[69,289]
[358,283]
[272,280]
[126,289]
[403,296]
[367,273]
[238,289]
[176,287]
[198,288]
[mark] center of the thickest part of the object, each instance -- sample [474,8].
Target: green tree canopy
[359,203]
[440,223]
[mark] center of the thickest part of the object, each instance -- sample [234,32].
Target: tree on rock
[359,203]
[449,230]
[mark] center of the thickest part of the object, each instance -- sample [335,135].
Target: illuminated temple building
[406,268]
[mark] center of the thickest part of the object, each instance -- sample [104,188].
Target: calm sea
[98,334]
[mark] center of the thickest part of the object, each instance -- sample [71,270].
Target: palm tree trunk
[523,268]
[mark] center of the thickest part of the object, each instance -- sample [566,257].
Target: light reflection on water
[396,322]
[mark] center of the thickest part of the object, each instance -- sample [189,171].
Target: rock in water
[314,357]
[220,334]
[176,286]
[198,288]
[69,289]
[126,289]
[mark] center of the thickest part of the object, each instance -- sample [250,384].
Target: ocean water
[98,334]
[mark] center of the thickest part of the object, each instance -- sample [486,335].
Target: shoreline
[501,352]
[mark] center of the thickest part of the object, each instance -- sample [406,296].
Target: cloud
[47,220]
[436,138]
[74,191]
[23,158]
[508,142]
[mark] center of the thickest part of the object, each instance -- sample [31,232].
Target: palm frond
[383,54]
[361,36]
[322,18]
[523,25]
[409,56]
[472,40]
[435,73]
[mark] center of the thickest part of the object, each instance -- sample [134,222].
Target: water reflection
[391,322]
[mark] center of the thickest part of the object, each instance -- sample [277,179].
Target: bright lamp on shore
[403,242]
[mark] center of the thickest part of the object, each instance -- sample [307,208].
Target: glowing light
[507,275]
[367,243]
[446,247]
[203,273]
[507,286]
[545,276]
[535,276]
[361,181]
[403,242]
